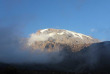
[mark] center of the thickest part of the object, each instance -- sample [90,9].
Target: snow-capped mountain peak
[52,38]
[51,32]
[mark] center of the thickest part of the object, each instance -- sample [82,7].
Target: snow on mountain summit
[66,32]
[59,37]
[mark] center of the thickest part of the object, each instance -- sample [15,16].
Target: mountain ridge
[57,39]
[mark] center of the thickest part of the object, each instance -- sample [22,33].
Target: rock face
[58,39]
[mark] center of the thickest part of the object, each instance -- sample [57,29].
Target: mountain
[98,56]
[91,56]
[58,39]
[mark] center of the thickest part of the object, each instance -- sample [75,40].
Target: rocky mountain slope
[58,39]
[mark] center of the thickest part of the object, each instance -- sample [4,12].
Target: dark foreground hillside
[12,70]
[92,59]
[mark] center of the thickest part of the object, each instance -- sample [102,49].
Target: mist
[41,37]
[13,49]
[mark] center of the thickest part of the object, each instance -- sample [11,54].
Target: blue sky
[90,17]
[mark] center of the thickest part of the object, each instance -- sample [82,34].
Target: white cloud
[42,37]
[93,30]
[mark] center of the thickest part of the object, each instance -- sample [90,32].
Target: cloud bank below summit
[12,49]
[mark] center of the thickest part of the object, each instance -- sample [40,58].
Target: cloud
[42,37]
[93,30]
[13,50]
